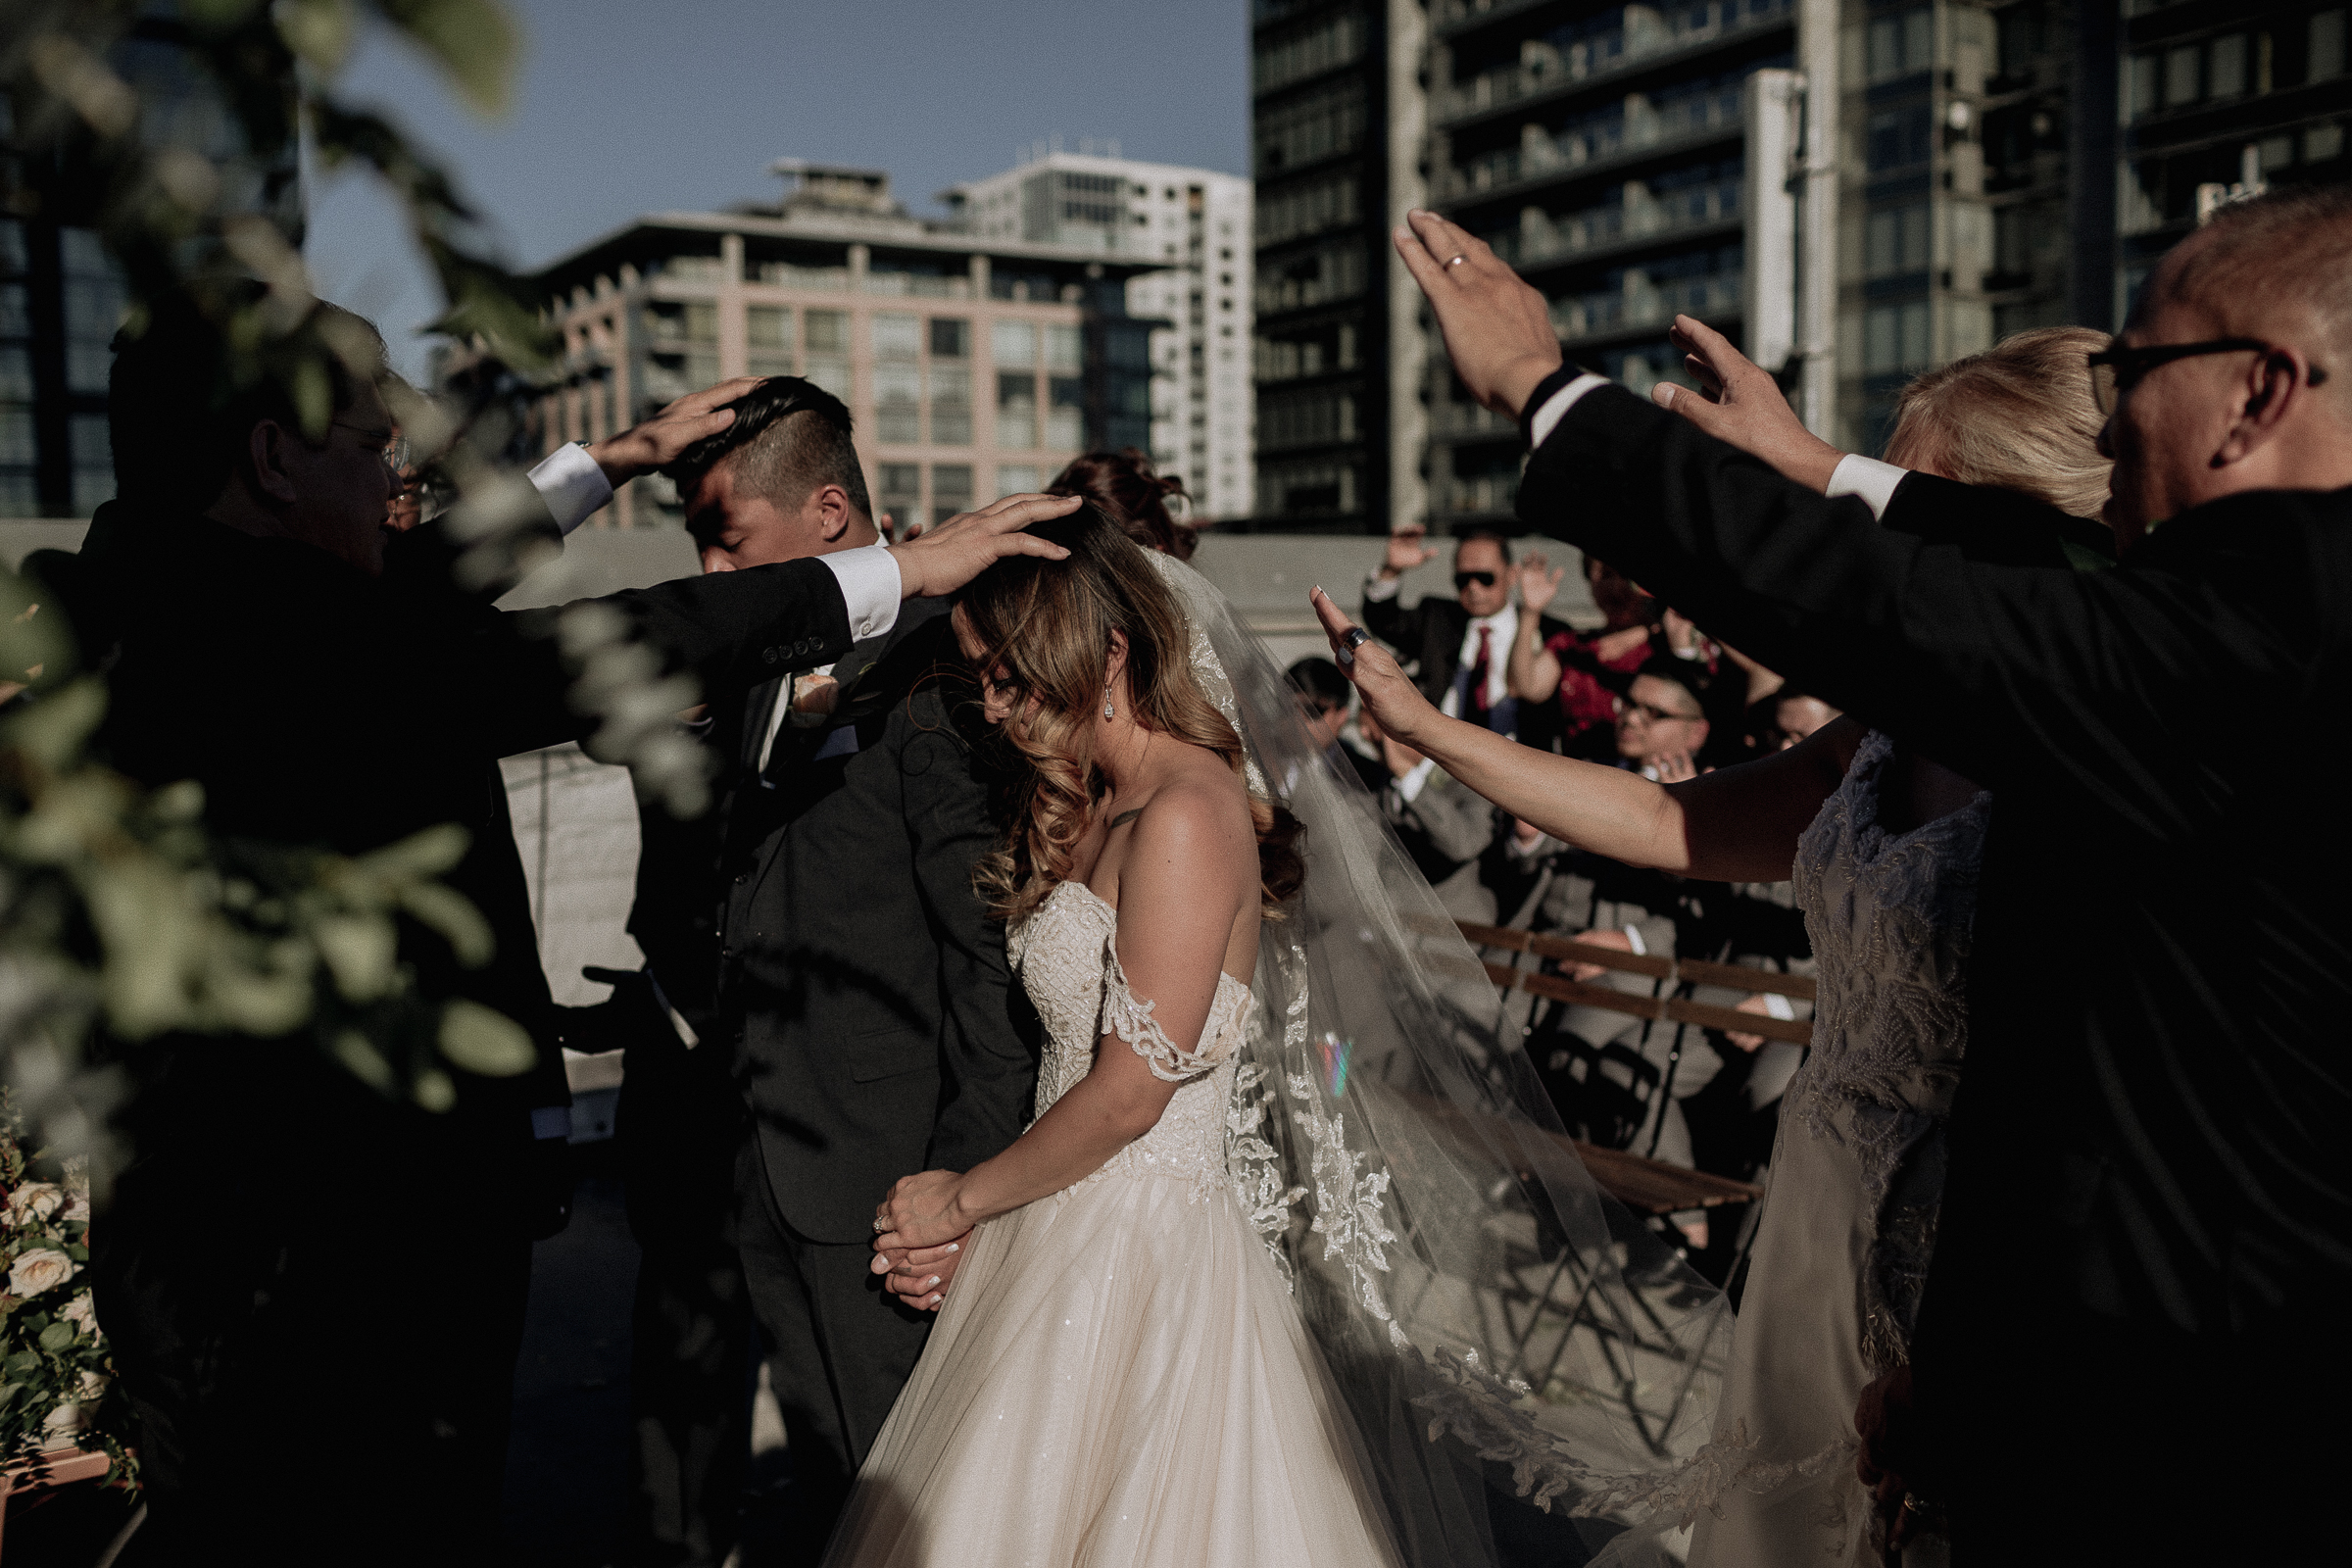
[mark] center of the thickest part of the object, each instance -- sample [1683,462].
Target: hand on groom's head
[658,442]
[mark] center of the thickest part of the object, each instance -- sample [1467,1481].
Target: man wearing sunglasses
[1462,645]
[2133,1313]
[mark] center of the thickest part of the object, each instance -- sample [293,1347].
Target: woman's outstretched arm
[1740,825]
[1188,873]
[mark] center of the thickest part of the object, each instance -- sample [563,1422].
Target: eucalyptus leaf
[482,1041]
[474,41]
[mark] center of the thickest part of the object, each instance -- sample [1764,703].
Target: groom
[855,986]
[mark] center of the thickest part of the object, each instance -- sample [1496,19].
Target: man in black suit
[289,1251]
[1458,649]
[859,994]
[2128,1345]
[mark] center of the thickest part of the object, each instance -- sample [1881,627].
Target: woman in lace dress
[1118,1375]
[1884,845]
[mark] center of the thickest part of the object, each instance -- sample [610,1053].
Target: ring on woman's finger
[1456,258]
[1350,640]
[881,1226]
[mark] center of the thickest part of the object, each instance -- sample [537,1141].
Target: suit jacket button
[767,655]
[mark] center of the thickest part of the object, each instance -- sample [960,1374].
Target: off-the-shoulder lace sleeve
[1132,1021]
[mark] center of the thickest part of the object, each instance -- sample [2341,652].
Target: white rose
[82,1313]
[93,1385]
[34,1201]
[78,1208]
[45,1268]
[64,1423]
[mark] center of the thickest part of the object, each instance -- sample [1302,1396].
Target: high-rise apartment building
[1601,149]
[1338,135]
[1192,227]
[972,367]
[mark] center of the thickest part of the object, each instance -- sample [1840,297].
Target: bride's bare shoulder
[1196,813]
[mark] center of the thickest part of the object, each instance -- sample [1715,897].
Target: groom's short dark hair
[793,435]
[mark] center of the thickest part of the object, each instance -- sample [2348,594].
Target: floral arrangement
[57,1372]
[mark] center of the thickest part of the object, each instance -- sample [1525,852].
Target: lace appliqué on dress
[1890,918]
[1132,1021]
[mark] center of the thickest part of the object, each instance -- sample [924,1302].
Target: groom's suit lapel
[873,677]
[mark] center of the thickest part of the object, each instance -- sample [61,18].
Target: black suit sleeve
[987,1068]
[2011,674]
[501,681]
[1386,619]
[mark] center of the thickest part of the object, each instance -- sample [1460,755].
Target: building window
[1894,338]
[950,490]
[1017,409]
[1014,344]
[897,378]
[1899,138]
[1897,241]
[2326,61]
[2225,67]
[1015,479]
[768,336]
[950,403]
[93,463]
[951,337]
[825,334]
[1064,349]
[1902,45]
[901,495]
[1065,414]
[93,310]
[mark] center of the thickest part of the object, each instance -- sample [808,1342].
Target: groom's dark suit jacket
[875,1025]
[2146,1235]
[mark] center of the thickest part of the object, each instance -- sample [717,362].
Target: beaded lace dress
[1857,1176]
[1119,1375]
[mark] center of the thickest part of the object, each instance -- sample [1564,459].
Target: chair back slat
[1663,1009]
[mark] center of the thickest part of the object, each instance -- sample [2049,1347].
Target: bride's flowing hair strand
[1046,626]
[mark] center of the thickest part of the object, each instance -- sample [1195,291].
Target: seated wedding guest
[1796,717]
[330,686]
[1325,701]
[2141,1172]
[1132,493]
[1574,678]
[1442,826]
[1662,719]
[1459,647]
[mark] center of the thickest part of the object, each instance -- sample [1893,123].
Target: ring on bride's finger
[1354,637]
[881,1226]
[1456,258]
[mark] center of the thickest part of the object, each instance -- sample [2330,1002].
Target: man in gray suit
[821,935]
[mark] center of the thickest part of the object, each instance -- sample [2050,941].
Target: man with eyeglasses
[2129,1347]
[1462,645]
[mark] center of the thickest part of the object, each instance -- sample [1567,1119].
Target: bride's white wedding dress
[1857,1176]
[1119,1376]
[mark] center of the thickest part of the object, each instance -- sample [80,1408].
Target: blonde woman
[1884,845]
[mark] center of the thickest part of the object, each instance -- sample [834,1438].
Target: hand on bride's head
[947,557]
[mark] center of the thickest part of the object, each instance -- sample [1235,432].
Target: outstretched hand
[1741,404]
[656,443]
[1539,581]
[1497,329]
[1394,703]
[943,558]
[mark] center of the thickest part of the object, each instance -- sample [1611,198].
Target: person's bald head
[2275,415]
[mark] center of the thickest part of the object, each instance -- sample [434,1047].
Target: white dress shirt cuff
[1411,784]
[869,586]
[1779,1006]
[1874,481]
[573,487]
[1633,934]
[1379,589]
[1555,408]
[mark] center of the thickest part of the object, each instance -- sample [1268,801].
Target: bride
[1296,1264]
[1118,1375]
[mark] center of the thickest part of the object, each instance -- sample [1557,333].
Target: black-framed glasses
[2115,371]
[1463,579]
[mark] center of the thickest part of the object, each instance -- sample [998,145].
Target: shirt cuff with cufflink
[871,588]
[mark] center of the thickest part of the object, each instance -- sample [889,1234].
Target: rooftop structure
[972,366]
[1195,225]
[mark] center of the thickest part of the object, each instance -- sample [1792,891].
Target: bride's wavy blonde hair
[1046,626]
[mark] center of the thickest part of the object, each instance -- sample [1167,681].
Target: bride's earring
[1108,712]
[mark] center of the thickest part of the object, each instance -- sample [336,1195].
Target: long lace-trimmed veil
[1493,1318]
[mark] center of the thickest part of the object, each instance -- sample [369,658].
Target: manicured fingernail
[933,1280]
[955,1246]
[936,1299]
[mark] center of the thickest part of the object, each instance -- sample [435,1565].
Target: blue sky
[628,108]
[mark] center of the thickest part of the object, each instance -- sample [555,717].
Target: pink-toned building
[973,367]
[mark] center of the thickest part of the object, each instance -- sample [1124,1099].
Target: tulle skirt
[1117,1378]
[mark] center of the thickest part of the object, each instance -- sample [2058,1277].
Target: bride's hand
[920,1211]
[919,1276]
[1392,700]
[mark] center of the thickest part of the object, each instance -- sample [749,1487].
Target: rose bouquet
[56,1371]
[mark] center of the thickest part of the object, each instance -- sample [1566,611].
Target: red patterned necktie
[1480,672]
